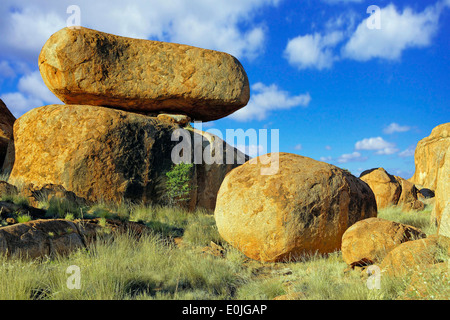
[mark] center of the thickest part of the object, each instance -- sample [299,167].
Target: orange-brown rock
[386,188]
[441,210]
[409,196]
[106,154]
[429,156]
[6,130]
[85,66]
[410,256]
[303,207]
[39,238]
[371,239]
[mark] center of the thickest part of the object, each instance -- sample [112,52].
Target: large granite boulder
[106,154]
[302,208]
[84,66]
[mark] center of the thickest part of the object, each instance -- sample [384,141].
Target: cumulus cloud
[313,50]
[228,25]
[298,147]
[265,99]
[377,144]
[32,93]
[400,30]
[395,127]
[409,152]
[351,157]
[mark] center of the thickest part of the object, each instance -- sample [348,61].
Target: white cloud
[6,71]
[313,50]
[395,127]
[342,1]
[326,159]
[409,152]
[378,144]
[399,31]
[251,150]
[18,103]
[227,25]
[298,147]
[265,99]
[351,157]
[32,94]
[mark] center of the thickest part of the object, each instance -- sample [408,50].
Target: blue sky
[336,90]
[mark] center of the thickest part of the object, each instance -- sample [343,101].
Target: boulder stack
[125,98]
[84,66]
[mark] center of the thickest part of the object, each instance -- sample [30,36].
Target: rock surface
[6,130]
[429,154]
[392,190]
[369,240]
[47,237]
[84,66]
[39,238]
[409,196]
[412,255]
[105,154]
[441,208]
[386,188]
[303,208]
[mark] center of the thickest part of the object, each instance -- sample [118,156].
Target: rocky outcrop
[386,188]
[440,214]
[370,240]
[39,238]
[409,199]
[46,238]
[392,190]
[429,156]
[106,154]
[303,208]
[84,66]
[6,130]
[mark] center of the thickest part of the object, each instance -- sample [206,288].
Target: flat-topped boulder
[85,66]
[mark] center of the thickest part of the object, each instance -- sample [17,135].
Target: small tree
[178,184]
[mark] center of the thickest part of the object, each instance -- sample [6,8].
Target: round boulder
[371,239]
[302,208]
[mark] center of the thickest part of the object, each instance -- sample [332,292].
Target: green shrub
[178,184]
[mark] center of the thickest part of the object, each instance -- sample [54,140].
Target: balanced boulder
[369,240]
[84,66]
[302,208]
[105,154]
